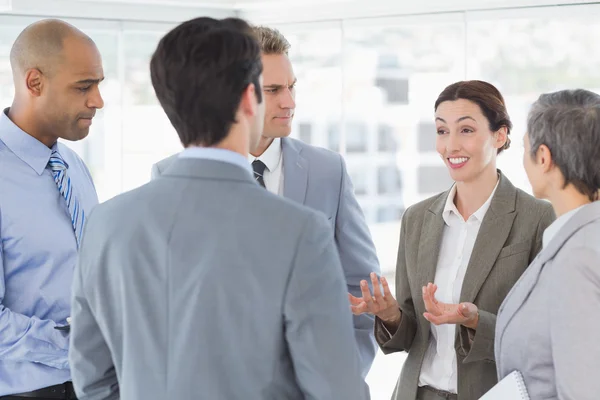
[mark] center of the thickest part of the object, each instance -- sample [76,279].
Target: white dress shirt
[439,366]
[557,225]
[273,175]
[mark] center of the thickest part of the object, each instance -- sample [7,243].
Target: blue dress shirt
[216,154]
[38,253]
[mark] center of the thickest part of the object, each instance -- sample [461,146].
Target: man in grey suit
[309,175]
[175,295]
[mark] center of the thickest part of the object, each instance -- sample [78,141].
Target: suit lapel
[430,242]
[295,171]
[516,297]
[492,235]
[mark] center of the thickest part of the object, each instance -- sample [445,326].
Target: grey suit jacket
[509,238]
[175,296]
[549,325]
[317,178]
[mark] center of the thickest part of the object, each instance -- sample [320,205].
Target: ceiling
[229,4]
[258,11]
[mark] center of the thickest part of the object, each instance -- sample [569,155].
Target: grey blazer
[549,325]
[317,178]
[509,238]
[175,296]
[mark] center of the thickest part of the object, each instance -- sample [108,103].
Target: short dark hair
[568,123]
[487,97]
[199,72]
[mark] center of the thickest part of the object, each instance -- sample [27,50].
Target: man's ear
[34,81]
[249,102]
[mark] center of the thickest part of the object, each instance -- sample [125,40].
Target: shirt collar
[30,150]
[556,226]
[271,157]
[213,153]
[450,212]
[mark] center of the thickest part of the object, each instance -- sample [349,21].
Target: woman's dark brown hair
[487,97]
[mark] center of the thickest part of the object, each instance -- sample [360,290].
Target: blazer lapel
[587,214]
[492,235]
[516,297]
[295,171]
[429,243]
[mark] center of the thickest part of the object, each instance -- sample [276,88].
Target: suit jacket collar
[295,170]
[582,217]
[208,169]
[502,203]
[494,231]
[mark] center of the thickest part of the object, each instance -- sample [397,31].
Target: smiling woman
[473,127]
[460,253]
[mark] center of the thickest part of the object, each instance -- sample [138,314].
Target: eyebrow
[458,120]
[89,81]
[277,86]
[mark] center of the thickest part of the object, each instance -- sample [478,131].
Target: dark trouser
[429,393]
[63,392]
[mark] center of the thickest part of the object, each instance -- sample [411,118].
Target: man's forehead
[83,63]
[279,82]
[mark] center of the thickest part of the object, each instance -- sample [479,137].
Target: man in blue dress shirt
[46,192]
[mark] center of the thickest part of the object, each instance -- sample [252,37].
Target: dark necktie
[259,170]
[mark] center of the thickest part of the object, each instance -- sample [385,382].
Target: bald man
[46,192]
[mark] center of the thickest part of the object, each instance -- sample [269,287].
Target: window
[333,137]
[148,136]
[426,134]
[386,139]
[530,54]
[357,137]
[360,179]
[389,213]
[388,178]
[317,62]
[305,132]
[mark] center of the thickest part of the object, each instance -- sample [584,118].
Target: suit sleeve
[359,258]
[29,339]
[401,340]
[575,323]
[478,345]
[318,323]
[92,369]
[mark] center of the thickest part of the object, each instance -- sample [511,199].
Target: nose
[95,99]
[287,100]
[453,143]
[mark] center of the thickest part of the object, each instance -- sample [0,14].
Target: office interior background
[368,76]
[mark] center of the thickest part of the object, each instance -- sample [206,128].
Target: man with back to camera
[46,193]
[309,175]
[207,313]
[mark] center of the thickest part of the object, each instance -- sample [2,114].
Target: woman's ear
[502,138]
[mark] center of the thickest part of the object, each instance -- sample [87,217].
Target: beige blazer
[509,238]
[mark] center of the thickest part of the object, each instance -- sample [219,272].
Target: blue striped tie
[59,171]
